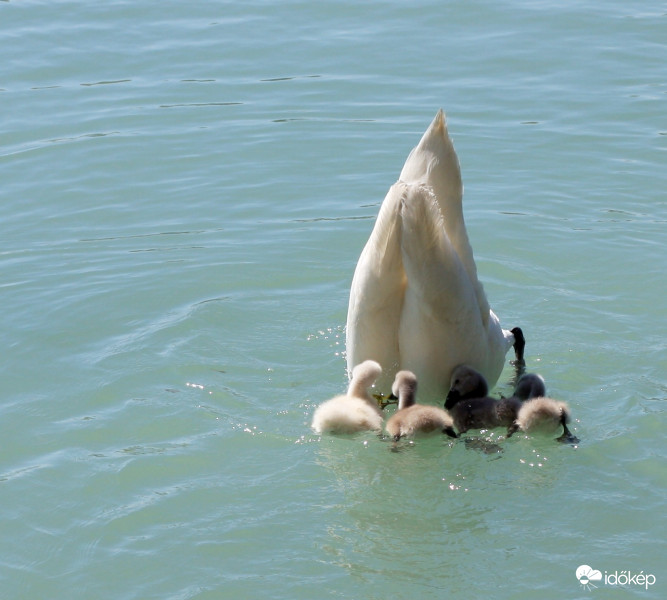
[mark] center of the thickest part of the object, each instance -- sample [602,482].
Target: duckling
[470,405]
[530,385]
[544,415]
[413,419]
[354,411]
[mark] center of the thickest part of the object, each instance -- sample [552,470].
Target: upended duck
[412,419]
[415,300]
[355,411]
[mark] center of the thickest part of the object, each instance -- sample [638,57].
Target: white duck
[415,300]
[355,411]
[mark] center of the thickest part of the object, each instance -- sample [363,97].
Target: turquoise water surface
[185,191]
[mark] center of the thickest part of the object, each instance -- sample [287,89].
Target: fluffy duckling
[354,411]
[414,419]
[470,405]
[544,415]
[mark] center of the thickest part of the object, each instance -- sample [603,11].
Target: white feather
[354,411]
[415,300]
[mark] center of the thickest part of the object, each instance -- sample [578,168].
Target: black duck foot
[568,437]
[519,343]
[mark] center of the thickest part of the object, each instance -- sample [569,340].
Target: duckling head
[363,377]
[465,383]
[405,388]
[530,385]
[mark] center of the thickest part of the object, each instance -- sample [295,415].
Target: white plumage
[415,419]
[415,300]
[354,411]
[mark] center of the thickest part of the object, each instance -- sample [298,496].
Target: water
[186,188]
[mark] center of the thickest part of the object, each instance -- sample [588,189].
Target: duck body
[412,419]
[415,300]
[355,411]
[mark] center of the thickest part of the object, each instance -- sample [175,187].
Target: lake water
[185,191]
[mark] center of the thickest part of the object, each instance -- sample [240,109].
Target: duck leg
[518,363]
[512,429]
[519,343]
[568,437]
[450,432]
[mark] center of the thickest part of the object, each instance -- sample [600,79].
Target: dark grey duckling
[470,405]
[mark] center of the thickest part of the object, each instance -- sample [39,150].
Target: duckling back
[346,414]
[544,415]
[419,419]
[484,413]
[471,407]
[415,419]
[354,411]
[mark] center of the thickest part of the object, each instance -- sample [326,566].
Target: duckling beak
[384,401]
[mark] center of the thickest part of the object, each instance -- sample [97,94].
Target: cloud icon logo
[586,575]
